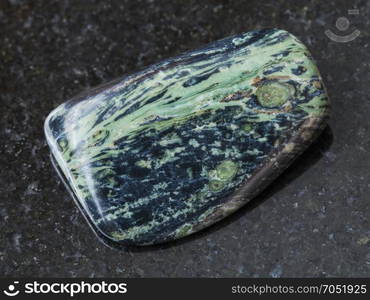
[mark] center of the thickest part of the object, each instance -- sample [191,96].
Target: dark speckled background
[313,221]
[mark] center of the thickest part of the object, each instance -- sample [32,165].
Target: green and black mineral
[170,150]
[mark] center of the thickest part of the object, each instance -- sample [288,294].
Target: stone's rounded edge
[62,170]
[47,126]
[325,113]
[100,232]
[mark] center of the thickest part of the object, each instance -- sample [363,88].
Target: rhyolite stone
[165,152]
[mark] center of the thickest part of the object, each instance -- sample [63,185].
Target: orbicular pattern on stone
[165,152]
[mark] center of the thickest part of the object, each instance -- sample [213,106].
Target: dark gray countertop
[312,221]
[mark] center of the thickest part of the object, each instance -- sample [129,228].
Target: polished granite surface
[312,221]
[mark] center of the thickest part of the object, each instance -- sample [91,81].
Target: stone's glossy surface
[167,151]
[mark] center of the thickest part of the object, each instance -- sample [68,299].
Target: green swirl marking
[226,170]
[223,174]
[273,94]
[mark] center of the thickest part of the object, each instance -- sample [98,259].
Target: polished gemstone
[167,151]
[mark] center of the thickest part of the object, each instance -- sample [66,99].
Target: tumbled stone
[170,150]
